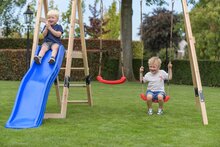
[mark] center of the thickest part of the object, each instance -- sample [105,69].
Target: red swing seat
[120,81]
[143,97]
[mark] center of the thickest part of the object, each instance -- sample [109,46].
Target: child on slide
[52,33]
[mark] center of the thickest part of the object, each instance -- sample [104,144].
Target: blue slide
[31,99]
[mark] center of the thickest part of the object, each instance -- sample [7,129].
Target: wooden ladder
[76,5]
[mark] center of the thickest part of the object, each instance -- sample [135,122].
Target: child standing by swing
[155,78]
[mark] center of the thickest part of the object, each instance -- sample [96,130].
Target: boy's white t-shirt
[156,81]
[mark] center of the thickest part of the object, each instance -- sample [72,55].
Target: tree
[5,4]
[97,24]
[114,23]
[156,30]
[206,29]
[52,5]
[9,17]
[126,38]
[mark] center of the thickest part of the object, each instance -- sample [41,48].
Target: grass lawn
[118,118]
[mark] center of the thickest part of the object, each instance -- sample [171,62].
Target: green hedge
[13,63]
[91,44]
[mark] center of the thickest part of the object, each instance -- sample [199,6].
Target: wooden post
[194,64]
[84,52]
[45,8]
[69,59]
[36,29]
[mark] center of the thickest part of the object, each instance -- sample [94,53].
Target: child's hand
[48,25]
[170,65]
[141,69]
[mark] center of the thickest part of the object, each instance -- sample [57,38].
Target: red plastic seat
[143,97]
[120,81]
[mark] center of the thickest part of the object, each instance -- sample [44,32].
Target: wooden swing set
[70,54]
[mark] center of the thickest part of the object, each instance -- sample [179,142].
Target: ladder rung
[77,54]
[77,85]
[43,19]
[77,21]
[74,85]
[73,68]
[96,50]
[77,101]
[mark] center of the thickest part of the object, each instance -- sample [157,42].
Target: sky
[62,6]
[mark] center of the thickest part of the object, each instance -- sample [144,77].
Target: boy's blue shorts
[155,94]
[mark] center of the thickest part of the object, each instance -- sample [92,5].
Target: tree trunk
[126,38]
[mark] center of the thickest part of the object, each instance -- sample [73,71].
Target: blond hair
[53,13]
[155,60]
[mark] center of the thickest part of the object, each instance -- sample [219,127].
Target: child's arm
[170,74]
[54,32]
[45,31]
[141,74]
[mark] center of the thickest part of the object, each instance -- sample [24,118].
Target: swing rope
[142,46]
[171,42]
[142,95]
[99,77]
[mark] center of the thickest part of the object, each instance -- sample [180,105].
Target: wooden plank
[44,20]
[73,68]
[83,43]
[74,85]
[69,56]
[45,8]
[194,62]
[77,101]
[36,30]
[77,54]
[58,91]
[53,115]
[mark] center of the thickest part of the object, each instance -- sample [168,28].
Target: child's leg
[43,50]
[149,104]
[160,101]
[149,101]
[54,48]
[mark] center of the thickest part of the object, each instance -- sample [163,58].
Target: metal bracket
[201,96]
[67,81]
[196,92]
[55,81]
[88,80]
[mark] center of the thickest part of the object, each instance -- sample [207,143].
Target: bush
[13,63]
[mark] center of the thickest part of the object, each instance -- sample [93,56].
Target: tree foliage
[97,24]
[113,24]
[156,30]
[162,2]
[52,5]
[10,18]
[206,29]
